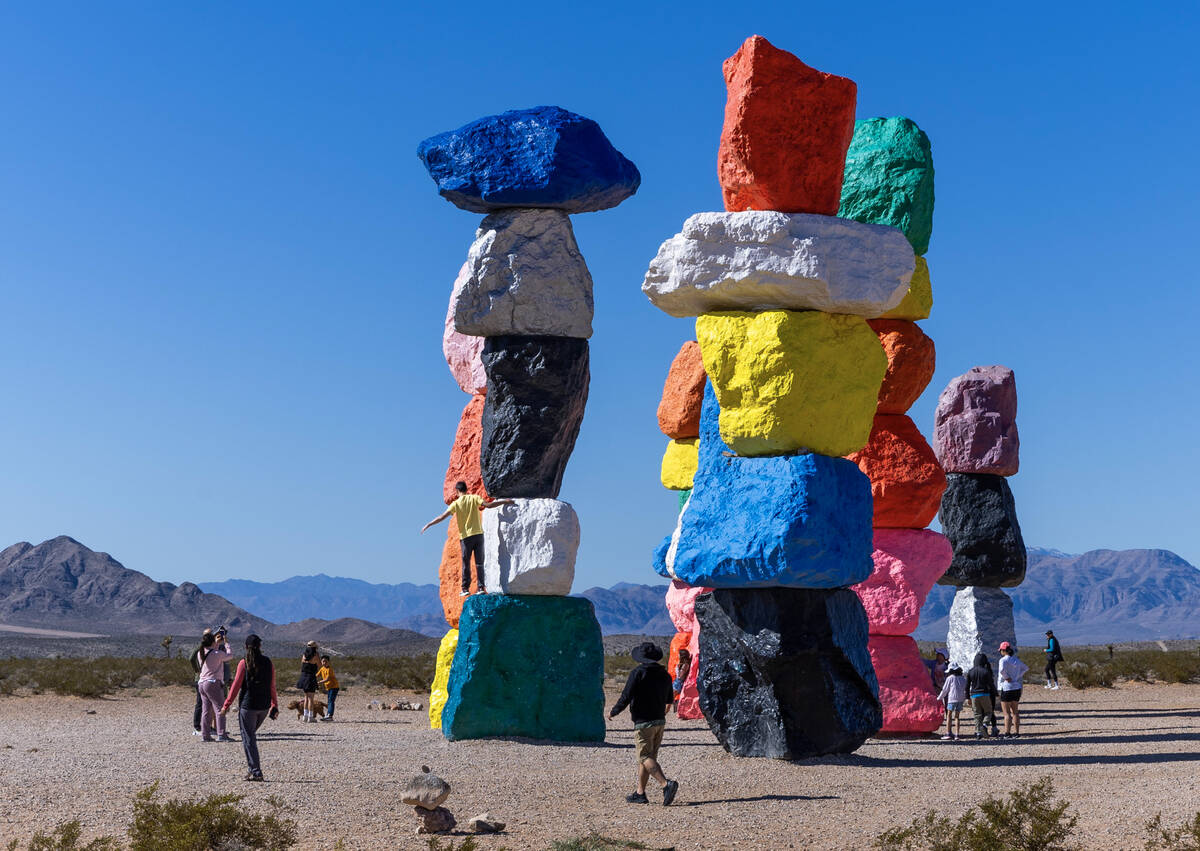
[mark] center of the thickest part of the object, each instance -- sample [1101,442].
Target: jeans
[196,713]
[330,700]
[981,707]
[212,695]
[467,546]
[1052,669]
[251,720]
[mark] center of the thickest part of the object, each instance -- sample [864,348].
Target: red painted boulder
[906,479]
[679,642]
[975,429]
[910,704]
[907,564]
[464,454]
[787,128]
[911,358]
[683,393]
[450,576]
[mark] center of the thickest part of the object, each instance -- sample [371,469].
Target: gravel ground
[1119,755]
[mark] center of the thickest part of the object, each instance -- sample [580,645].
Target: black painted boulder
[537,388]
[785,672]
[979,517]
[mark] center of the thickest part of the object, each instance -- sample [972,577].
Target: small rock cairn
[975,437]
[425,793]
[778,522]
[524,659]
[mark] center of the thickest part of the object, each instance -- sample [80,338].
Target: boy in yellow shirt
[466,511]
[328,681]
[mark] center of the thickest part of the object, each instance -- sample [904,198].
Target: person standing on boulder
[1053,657]
[466,510]
[649,694]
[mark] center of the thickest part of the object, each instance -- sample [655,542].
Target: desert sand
[1119,755]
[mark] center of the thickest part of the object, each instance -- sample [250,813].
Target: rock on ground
[683,394]
[529,547]
[440,820]
[979,516]
[980,620]
[906,479]
[975,427]
[910,704]
[462,350]
[425,791]
[907,563]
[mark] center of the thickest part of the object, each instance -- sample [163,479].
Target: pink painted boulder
[975,428]
[910,704]
[907,564]
[461,350]
[688,705]
[681,606]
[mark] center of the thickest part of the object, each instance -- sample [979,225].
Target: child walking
[953,695]
[328,681]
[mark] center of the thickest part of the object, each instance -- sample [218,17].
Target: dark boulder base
[979,517]
[537,388]
[785,672]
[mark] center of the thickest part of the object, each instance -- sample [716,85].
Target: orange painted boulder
[911,358]
[906,479]
[450,576]
[679,642]
[910,704]
[683,394]
[786,132]
[464,454]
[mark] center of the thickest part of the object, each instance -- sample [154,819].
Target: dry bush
[65,837]
[1186,837]
[212,823]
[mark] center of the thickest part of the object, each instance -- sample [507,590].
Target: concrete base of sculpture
[980,619]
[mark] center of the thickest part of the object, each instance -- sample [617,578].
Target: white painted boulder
[764,260]
[462,350]
[529,547]
[526,277]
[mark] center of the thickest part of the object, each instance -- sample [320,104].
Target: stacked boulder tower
[975,438]
[524,659]
[803,389]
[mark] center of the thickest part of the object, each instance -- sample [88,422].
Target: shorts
[1013,696]
[954,706]
[648,740]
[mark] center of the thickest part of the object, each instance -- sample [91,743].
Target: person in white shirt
[1008,679]
[952,696]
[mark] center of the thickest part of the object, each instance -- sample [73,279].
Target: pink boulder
[907,564]
[975,429]
[461,350]
[910,704]
[681,606]
[688,705]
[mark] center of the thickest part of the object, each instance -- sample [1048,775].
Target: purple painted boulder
[975,430]
[907,564]
[462,350]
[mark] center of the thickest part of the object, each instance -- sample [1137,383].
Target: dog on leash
[298,707]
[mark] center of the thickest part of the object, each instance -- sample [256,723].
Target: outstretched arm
[436,520]
[496,503]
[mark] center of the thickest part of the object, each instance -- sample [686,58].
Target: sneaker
[1056,687]
[254,778]
[197,733]
[326,718]
[224,739]
[669,792]
[947,737]
[636,798]
[207,739]
[482,590]
[1048,685]
[464,593]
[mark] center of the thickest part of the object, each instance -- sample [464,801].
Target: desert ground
[1119,755]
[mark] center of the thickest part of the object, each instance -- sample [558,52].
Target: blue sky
[224,271]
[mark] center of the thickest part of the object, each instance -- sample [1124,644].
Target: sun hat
[647,651]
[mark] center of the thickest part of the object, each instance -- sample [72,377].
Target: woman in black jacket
[255,681]
[981,686]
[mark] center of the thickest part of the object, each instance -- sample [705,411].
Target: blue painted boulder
[540,157]
[800,521]
[529,666]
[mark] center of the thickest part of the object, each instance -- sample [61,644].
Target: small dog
[298,707]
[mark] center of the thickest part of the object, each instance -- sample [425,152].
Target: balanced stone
[426,791]
[908,562]
[793,381]
[918,300]
[527,666]
[910,704]
[527,277]
[462,350]
[979,516]
[767,260]
[679,464]
[975,428]
[540,157]
[537,390]
[911,359]
[441,677]
[980,620]
[785,673]
[464,454]
[889,178]
[787,127]
[529,547]
[683,394]
[906,479]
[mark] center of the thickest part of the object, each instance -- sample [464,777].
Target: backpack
[194,659]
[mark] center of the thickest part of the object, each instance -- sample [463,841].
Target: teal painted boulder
[889,178]
[529,666]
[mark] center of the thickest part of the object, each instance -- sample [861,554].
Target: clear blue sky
[224,271]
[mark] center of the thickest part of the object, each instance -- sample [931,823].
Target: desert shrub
[214,822]
[468,844]
[1083,675]
[1027,820]
[90,677]
[594,842]
[1186,837]
[65,837]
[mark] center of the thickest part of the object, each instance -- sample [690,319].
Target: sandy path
[1119,755]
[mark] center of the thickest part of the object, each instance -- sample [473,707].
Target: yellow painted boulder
[918,301]
[679,463]
[441,678]
[792,381]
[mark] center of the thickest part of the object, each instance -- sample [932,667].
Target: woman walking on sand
[310,663]
[255,681]
[211,657]
[1011,671]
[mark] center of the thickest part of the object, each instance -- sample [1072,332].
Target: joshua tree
[166,643]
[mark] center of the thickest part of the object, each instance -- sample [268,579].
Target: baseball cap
[1004,645]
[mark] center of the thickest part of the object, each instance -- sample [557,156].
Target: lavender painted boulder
[975,429]
[462,350]
[908,562]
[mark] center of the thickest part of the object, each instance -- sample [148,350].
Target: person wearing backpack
[198,711]
[255,682]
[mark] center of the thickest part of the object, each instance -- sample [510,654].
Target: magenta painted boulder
[462,350]
[688,705]
[975,429]
[910,704]
[907,564]
[681,606]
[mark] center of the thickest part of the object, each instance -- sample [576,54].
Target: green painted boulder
[889,178]
[529,666]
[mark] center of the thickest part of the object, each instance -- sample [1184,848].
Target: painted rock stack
[778,523]
[975,438]
[889,181]
[524,659]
